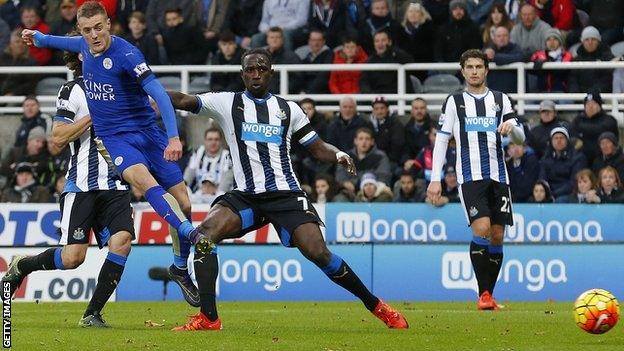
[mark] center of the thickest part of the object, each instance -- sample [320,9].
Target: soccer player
[477,118]
[258,127]
[94,198]
[117,82]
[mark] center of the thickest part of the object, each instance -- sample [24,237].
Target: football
[596,311]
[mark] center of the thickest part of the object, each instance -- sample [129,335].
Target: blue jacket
[523,177]
[559,170]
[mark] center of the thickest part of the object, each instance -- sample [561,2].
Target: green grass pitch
[324,326]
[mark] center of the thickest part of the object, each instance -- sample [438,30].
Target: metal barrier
[525,101]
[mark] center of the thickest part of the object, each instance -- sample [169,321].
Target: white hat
[368,178]
[590,32]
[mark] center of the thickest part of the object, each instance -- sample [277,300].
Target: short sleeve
[302,130]
[136,66]
[66,108]
[447,117]
[508,111]
[215,105]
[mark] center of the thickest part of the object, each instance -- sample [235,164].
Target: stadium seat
[171,82]
[441,83]
[574,49]
[199,85]
[583,18]
[416,84]
[49,86]
[618,49]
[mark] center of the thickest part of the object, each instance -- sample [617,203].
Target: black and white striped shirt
[88,170]
[473,122]
[258,132]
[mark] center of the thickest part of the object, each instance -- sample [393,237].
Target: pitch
[309,326]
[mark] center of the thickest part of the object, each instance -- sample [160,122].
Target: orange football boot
[199,322]
[391,317]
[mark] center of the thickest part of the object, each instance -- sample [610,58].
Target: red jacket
[561,14]
[552,80]
[346,82]
[41,55]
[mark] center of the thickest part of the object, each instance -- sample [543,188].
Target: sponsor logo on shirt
[99,91]
[264,133]
[480,124]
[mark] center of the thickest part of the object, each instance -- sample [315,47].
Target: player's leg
[502,215]
[479,252]
[309,240]
[108,279]
[221,223]
[178,271]
[495,250]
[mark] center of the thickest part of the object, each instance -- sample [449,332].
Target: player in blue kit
[117,82]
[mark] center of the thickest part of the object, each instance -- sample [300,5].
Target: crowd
[577,161]
[186,32]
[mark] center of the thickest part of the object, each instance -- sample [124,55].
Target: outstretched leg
[309,240]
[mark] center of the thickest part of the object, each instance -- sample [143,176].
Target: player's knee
[73,260]
[481,228]
[496,238]
[122,244]
[321,256]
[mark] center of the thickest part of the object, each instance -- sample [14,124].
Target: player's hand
[434,192]
[27,37]
[506,127]
[347,162]
[173,152]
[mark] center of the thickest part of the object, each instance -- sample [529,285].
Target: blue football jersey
[113,82]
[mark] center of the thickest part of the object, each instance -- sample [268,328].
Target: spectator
[156,15]
[374,82]
[416,132]
[341,131]
[551,81]
[610,186]
[541,193]
[439,11]
[281,55]
[126,8]
[59,189]
[583,80]
[5,35]
[139,38]
[530,33]
[560,164]
[479,9]
[15,55]
[31,118]
[245,19]
[498,17]
[229,53]
[331,18]
[591,123]
[457,35]
[31,20]
[23,188]
[210,159]
[327,190]
[422,164]
[67,22]
[408,190]
[558,14]
[10,13]
[367,159]
[212,20]
[523,167]
[450,186]
[290,16]
[503,53]
[415,35]
[307,167]
[380,19]
[347,82]
[541,132]
[585,190]
[389,133]
[34,152]
[207,192]
[606,16]
[373,191]
[316,52]
[183,42]
[610,154]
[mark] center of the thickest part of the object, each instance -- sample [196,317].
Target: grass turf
[310,326]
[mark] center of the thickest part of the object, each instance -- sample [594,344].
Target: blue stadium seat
[442,83]
[199,85]
[49,86]
[416,84]
[574,49]
[618,49]
[171,82]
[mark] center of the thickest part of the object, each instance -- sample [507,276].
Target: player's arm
[64,133]
[510,125]
[447,119]
[325,152]
[40,40]
[186,102]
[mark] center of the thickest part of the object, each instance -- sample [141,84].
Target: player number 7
[304,202]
